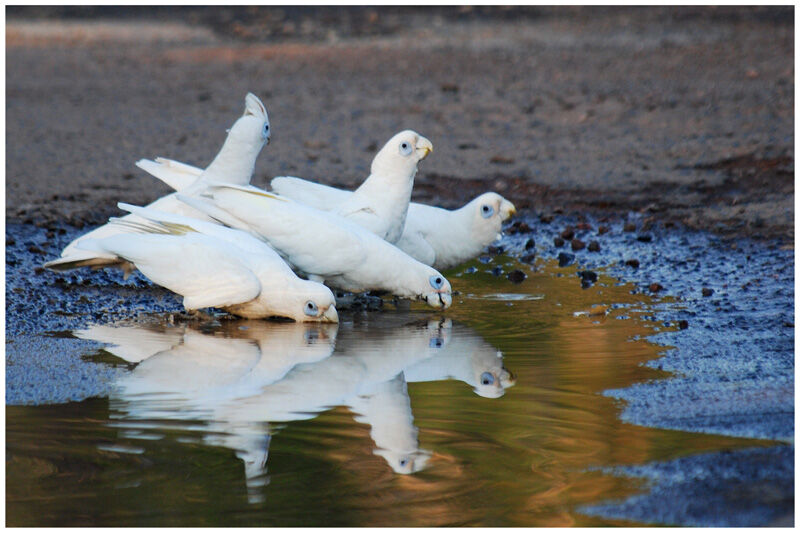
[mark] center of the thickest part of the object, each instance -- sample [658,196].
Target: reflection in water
[239,378]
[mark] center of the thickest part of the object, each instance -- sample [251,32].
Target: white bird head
[491,377]
[237,158]
[309,301]
[253,125]
[401,154]
[436,290]
[488,212]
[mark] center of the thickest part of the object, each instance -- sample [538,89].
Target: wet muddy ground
[722,308]
[650,123]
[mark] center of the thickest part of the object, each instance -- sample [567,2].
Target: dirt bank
[684,114]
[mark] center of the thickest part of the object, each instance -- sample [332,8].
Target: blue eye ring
[435,342]
[265,131]
[487,378]
[405,148]
[436,281]
[487,211]
[310,308]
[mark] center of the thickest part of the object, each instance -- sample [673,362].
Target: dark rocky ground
[685,113]
[664,120]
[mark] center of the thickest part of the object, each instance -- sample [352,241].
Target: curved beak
[424,147]
[439,299]
[507,210]
[330,315]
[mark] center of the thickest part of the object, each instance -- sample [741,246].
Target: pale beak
[507,209]
[424,147]
[330,315]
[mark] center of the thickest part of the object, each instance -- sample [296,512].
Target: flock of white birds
[220,242]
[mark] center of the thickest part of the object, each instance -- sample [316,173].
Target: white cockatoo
[465,357]
[230,388]
[214,266]
[381,202]
[323,246]
[437,237]
[443,238]
[233,164]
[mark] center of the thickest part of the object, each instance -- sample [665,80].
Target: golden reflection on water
[210,431]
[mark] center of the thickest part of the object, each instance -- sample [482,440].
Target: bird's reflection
[240,376]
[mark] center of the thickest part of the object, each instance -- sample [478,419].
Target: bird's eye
[403,462]
[487,211]
[405,148]
[265,131]
[487,378]
[435,342]
[436,282]
[310,308]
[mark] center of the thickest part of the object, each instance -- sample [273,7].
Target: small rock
[597,310]
[683,324]
[594,246]
[583,226]
[558,241]
[588,275]
[496,271]
[564,259]
[10,241]
[485,259]
[35,250]
[38,270]
[516,276]
[518,227]
[568,233]
[545,219]
[655,287]
[449,88]
[528,258]
[629,227]
[707,291]
[578,244]
[495,250]
[602,230]
[501,160]
[632,263]
[470,270]
[644,238]
[530,243]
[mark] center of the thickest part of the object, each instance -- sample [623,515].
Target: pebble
[594,246]
[632,263]
[707,291]
[545,219]
[496,271]
[583,226]
[564,259]
[517,276]
[683,324]
[644,238]
[588,275]
[568,233]
[602,230]
[629,227]
[655,287]
[578,244]
[530,243]
[528,258]
[495,250]
[558,241]
[519,227]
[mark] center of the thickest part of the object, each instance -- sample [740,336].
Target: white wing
[205,271]
[307,192]
[174,173]
[314,241]
[415,245]
[131,343]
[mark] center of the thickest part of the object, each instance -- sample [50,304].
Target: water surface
[489,414]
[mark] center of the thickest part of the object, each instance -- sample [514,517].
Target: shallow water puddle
[489,414]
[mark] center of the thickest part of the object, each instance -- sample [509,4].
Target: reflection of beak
[507,209]
[425,147]
[330,315]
